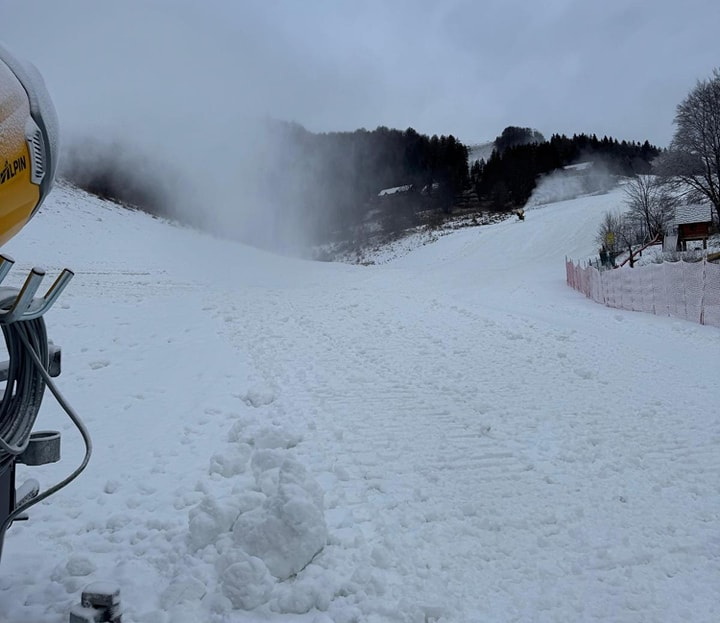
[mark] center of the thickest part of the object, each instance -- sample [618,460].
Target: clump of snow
[183,590]
[276,437]
[245,580]
[259,396]
[111,486]
[264,436]
[209,520]
[78,565]
[289,529]
[231,462]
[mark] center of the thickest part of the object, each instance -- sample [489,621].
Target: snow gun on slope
[28,157]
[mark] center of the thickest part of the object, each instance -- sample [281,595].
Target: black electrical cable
[24,386]
[27,378]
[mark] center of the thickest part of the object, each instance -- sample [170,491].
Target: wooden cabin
[691,223]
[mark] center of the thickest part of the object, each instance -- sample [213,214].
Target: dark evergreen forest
[333,181]
[335,178]
[345,171]
[509,176]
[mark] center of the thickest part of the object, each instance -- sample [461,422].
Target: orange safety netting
[687,290]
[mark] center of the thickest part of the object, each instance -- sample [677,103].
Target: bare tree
[650,203]
[607,231]
[628,235]
[693,159]
[619,232]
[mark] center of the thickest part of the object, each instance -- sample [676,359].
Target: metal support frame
[20,305]
[25,306]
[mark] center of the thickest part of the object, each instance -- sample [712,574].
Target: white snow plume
[122,172]
[169,101]
[244,183]
[586,177]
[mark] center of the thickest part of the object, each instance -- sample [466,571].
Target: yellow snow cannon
[28,150]
[28,143]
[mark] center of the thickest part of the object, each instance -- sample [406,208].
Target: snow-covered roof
[395,190]
[579,166]
[695,213]
[430,187]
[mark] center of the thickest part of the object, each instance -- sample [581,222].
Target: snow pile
[270,524]
[288,529]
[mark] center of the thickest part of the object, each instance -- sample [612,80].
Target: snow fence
[687,290]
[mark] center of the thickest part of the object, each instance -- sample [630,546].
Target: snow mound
[289,529]
[264,530]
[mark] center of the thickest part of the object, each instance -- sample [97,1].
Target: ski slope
[460,435]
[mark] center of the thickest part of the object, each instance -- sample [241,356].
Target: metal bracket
[25,306]
[43,448]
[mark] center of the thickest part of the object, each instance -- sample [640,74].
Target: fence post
[702,296]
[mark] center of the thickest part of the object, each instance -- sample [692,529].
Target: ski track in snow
[491,445]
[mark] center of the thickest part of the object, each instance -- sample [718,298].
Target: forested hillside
[337,177]
[348,186]
[509,176]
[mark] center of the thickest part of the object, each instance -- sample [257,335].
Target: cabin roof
[694,213]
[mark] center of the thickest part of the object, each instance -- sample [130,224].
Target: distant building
[691,223]
[579,166]
[396,190]
[430,189]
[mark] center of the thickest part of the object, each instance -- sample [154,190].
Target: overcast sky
[469,68]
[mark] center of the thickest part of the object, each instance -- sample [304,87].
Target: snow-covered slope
[460,435]
[480,151]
